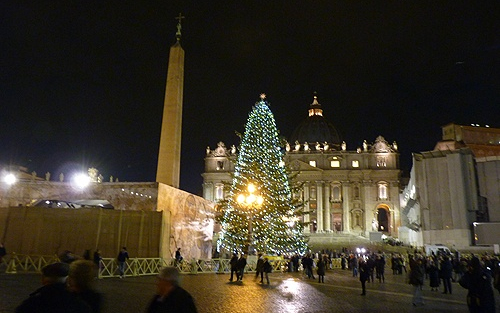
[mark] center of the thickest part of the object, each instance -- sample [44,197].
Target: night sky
[82,82]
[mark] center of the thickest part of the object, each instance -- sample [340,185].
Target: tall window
[335,163]
[336,194]
[355,163]
[219,191]
[220,165]
[382,191]
[312,163]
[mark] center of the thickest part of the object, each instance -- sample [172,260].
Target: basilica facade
[345,191]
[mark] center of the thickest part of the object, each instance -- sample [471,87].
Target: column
[307,209]
[319,206]
[346,206]
[327,211]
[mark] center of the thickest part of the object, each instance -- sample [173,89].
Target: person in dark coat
[122,259]
[178,256]
[3,252]
[343,262]
[446,273]
[295,261]
[80,279]
[380,268]
[98,261]
[259,268]
[267,268]
[234,266]
[242,263]
[370,262]
[433,272]
[307,263]
[364,274]
[321,269]
[480,298]
[53,297]
[170,297]
[417,275]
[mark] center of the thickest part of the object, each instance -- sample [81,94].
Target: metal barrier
[29,263]
[143,266]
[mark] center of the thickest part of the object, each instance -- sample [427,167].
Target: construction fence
[47,231]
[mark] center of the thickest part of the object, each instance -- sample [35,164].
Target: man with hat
[53,296]
[170,297]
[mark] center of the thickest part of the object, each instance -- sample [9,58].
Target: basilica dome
[315,128]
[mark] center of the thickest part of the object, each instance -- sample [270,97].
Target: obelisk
[169,155]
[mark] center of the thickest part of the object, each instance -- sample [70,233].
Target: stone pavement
[288,292]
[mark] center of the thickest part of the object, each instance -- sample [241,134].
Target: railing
[142,266]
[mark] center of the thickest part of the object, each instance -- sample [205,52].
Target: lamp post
[250,201]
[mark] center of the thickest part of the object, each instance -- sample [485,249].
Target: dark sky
[82,82]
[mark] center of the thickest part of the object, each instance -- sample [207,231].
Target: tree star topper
[262,96]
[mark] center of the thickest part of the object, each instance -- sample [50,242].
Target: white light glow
[81,180]
[10,179]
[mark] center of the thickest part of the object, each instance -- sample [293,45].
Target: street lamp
[10,179]
[250,201]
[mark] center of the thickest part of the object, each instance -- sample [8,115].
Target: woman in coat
[322,269]
[417,275]
[433,272]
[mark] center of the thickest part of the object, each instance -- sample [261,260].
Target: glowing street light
[10,179]
[250,201]
[81,180]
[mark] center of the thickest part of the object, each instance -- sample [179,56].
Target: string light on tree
[274,226]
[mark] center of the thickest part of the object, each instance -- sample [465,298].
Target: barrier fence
[108,267]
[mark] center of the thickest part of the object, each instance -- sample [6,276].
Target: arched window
[382,191]
[219,191]
[336,197]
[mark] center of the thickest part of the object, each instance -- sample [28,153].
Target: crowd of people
[479,275]
[68,284]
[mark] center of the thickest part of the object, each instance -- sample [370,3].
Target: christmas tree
[260,212]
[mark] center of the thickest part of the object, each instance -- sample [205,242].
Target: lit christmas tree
[260,212]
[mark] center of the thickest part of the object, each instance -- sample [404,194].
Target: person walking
[267,268]
[259,268]
[480,296]
[307,263]
[122,259]
[417,275]
[240,265]
[234,266]
[364,274]
[170,297]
